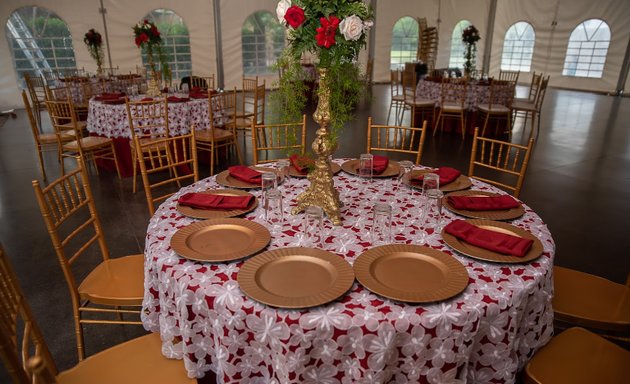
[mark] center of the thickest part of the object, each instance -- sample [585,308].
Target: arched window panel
[404,42]
[175,42]
[457,45]
[262,42]
[518,47]
[587,49]
[39,41]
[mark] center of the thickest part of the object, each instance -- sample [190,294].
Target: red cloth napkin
[109,96]
[147,99]
[300,163]
[379,164]
[245,174]
[490,240]
[175,99]
[114,101]
[447,175]
[480,203]
[198,95]
[208,201]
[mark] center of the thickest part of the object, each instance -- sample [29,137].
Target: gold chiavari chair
[64,118]
[68,208]
[425,107]
[44,141]
[534,86]
[28,360]
[165,162]
[396,96]
[502,159]
[248,94]
[221,132]
[452,103]
[593,302]
[577,356]
[511,76]
[395,139]
[499,105]
[35,86]
[148,121]
[202,82]
[110,71]
[277,141]
[534,108]
[258,111]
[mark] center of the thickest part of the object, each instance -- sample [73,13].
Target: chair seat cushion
[139,360]
[523,105]
[493,108]
[421,103]
[87,143]
[452,107]
[116,281]
[244,122]
[578,356]
[219,134]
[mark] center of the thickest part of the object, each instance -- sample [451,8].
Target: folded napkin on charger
[198,95]
[301,163]
[490,240]
[147,99]
[483,203]
[447,175]
[208,201]
[379,164]
[175,99]
[245,174]
[114,101]
[109,96]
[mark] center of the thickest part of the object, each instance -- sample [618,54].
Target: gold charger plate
[295,277]
[217,240]
[483,254]
[218,213]
[334,167]
[503,214]
[410,273]
[462,182]
[352,167]
[224,179]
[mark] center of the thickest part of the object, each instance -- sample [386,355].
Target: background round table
[484,335]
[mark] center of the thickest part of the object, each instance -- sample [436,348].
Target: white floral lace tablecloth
[484,335]
[475,93]
[110,120]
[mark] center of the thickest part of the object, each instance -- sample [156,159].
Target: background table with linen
[486,334]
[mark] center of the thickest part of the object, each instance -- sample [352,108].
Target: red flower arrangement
[94,43]
[326,33]
[146,33]
[294,16]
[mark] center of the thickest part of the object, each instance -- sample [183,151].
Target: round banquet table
[476,93]
[486,334]
[111,120]
[76,87]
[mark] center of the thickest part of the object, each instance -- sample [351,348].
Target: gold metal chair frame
[396,139]
[115,282]
[397,98]
[499,105]
[535,108]
[28,359]
[35,86]
[271,138]
[415,105]
[214,138]
[166,155]
[502,157]
[452,103]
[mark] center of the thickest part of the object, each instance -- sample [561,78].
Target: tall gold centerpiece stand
[322,192]
[153,88]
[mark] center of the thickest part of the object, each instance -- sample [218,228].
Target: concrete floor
[578,182]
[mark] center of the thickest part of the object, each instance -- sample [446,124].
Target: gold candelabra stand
[153,88]
[322,192]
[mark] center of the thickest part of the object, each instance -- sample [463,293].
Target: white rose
[351,27]
[367,24]
[281,9]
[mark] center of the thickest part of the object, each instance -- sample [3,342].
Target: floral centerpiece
[470,37]
[94,42]
[334,31]
[147,37]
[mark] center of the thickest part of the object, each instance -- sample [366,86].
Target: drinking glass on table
[283,169]
[430,182]
[381,224]
[313,227]
[431,215]
[366,162]
[269,183]
[274,212]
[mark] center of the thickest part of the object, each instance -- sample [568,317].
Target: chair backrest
[396,139]
[534,86]
[501,92]
[35,85]
[148,118]
[453,91]
[259,104]
[69,212]
[511,76]
[20,337]
[540,97]
[203,82]
[64,118]
[501,159]
[409,84]
[278,141]
[248,96]
[174,158]
[222,110]
[31,117]
[395,82]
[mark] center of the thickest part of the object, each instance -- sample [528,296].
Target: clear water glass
[269,183]
[313,227]
[430,182]
[283,169]
[366,162]
[381,232]
[433,204]
[274,211]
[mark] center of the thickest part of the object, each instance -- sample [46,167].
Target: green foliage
[288,102]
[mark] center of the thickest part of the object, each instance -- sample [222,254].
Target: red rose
[154,31]
[138,41]
[326,34]
[294,16]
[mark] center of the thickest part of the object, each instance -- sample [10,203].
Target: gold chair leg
[463,117]
[41,162]
[134,161]
[116,161]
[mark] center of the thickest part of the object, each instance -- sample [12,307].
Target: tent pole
[623,74]
[103,11]
[487,48]
[218,42]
